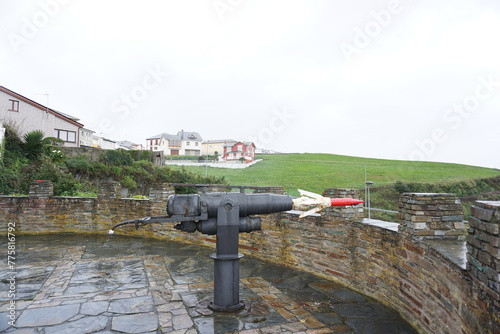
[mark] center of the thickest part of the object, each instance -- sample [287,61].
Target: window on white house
[188,143]
[14,106]
[67,136]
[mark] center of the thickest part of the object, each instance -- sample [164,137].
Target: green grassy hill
[316,172]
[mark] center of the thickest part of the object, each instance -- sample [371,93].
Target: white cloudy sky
[407,79]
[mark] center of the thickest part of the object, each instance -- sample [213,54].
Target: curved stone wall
[434,294]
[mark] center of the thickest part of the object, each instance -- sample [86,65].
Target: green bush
[33,145]
[79,165]
[141,155]
[119,157]
[128,182]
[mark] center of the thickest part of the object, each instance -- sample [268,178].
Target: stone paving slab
[98,284]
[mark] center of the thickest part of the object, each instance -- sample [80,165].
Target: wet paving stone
[135,323]
[82,326]
[118,284]
[132,305]
[94,308]
[29,280]
[47,316]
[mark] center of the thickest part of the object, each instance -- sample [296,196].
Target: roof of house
[126,143]
[246,143]
[219,141]
[181,135]
[71,119]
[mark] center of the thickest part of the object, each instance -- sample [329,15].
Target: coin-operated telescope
[227,215]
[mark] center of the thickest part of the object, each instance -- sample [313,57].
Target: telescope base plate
[227,309]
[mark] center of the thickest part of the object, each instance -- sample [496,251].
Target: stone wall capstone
[41,189]
[431,216]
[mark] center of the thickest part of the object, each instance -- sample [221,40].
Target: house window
[196,143]
[67,136]
[14,106]
[188,143]
[240,148]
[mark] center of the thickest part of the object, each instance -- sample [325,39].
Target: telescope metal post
[227,259]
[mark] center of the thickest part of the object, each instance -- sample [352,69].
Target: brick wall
[430,291]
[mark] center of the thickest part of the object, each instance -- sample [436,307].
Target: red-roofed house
[238,150]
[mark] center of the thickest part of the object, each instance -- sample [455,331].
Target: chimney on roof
[182,134]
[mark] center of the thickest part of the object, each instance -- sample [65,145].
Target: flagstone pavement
[116,284]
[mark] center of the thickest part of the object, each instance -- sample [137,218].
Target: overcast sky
[396,79]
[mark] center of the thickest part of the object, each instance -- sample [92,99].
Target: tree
[33,145]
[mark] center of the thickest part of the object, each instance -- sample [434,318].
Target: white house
[104,143]
[29,115]
[86,136]
[183,143]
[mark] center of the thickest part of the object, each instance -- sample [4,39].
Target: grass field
[316,172]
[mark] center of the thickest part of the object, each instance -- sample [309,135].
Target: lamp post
[367,195]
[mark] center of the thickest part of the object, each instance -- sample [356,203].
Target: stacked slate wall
[430,291]
[483,255]
[431,216]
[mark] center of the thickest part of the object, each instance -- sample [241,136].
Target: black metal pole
[227,259]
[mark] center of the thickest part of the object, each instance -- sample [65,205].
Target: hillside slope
[316,172]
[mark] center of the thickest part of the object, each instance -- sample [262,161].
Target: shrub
[128,182]
[119,157]
[33,145]
[141,155]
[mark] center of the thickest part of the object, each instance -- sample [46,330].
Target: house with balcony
[239,151]
[29,115]
[183,143]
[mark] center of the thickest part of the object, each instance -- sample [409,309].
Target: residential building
[86,136]
[239,150]
[209,147]
[183,143]
[29,115]
[104,143]
[128,145]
